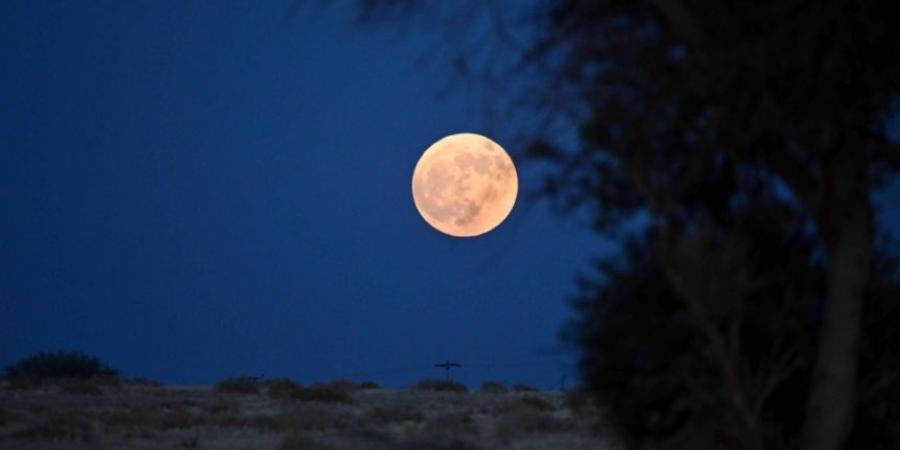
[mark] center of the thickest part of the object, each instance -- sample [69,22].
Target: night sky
[197,190]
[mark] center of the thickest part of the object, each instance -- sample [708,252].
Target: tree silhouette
[689,111]
[721,356]
[795,91]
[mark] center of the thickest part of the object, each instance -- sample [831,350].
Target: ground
[272,416]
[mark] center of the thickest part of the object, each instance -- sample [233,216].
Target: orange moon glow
[465,185]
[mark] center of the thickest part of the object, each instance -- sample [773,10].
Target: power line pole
[446,365]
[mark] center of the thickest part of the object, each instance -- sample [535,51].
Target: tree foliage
[694,108]
[676,93]
[730,370]
[752,135]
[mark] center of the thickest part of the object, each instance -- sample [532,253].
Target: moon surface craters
[464,185]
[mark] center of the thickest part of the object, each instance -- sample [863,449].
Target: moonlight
[465,185]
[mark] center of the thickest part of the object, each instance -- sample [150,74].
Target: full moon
[465,185]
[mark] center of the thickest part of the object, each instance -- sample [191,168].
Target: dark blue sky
[194,190]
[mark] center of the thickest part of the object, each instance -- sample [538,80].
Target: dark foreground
[149,417]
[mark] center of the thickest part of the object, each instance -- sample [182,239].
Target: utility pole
[446,365]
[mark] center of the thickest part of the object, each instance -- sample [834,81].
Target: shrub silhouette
[441,385]
[238,385]
[143,381]
[58,365]
[281,388]
[537,403]
[342,385]
[334,392]
[369,385]
[493,387]
[338,391]
[523,388]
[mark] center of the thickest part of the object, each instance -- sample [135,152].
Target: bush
[535,402]
[281,388]
[238,385]
[143,381]
[59,365]
[342,385]
[523,388]
[369,385]
[441,385]
[324,393]
[332,392]
[493,387]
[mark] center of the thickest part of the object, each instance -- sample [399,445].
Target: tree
[796,90]
[692,107]
[708,373]
[720,357]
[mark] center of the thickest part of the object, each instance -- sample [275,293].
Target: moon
[465,185]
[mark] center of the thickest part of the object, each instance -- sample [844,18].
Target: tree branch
[679,20]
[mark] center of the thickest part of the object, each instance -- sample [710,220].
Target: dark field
[280,414]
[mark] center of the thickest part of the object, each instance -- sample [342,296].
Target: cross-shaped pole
[446,365]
